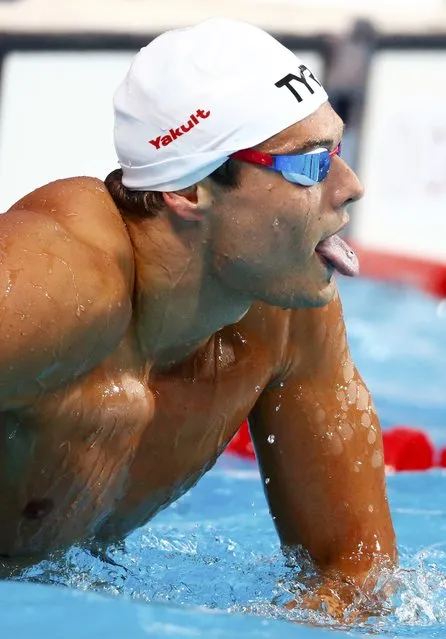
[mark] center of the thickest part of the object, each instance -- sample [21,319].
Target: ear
[190,204]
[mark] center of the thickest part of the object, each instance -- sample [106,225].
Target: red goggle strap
[265,159]
[255,157]
[336,151]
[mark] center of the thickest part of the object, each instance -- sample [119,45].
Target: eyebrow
[314,143]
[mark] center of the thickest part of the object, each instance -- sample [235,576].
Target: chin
[321,293]
[326,295]
[302,296]
[316,292]
[317,300]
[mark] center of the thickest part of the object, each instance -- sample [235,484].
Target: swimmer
[145,316]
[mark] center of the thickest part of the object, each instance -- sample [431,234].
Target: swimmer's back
[66,280]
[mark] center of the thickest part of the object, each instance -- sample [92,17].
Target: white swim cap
[193,96]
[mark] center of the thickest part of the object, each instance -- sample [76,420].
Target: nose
[347,186]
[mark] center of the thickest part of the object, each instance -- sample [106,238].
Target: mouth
[334,252]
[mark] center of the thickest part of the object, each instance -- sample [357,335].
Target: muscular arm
[63,306]
[318,441]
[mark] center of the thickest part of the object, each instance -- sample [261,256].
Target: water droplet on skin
[335,446]
[357,466]
[346,431]
[271,439]
[258,389]
[378,546]
[267,480]
[278,407]
[351,392]
[365,420]
[370,508]
[363,398]
[377,459]
[281,384]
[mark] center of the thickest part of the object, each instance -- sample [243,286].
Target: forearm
[327,495]
[344,552]
[325,467]
[318,441]
[352,551]
[320,503]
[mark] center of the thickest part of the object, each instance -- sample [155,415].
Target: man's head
[196,96]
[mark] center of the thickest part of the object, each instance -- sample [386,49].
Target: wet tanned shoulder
[64,305]
[85,209]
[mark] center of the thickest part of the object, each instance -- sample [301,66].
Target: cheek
[299,216]
[272,216]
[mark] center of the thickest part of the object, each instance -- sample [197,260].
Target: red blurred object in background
[424,274]
[442,458]
[407,449]
[404,448]
[241,443]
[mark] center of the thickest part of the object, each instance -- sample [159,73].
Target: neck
[179,300]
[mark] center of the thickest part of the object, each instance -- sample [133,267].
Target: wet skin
[133,349]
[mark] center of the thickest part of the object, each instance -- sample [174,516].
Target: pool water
[216,548]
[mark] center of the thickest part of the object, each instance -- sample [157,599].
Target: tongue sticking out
[339,254]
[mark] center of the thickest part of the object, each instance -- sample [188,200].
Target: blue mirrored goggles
[305,169]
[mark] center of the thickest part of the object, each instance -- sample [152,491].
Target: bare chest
[103,455]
